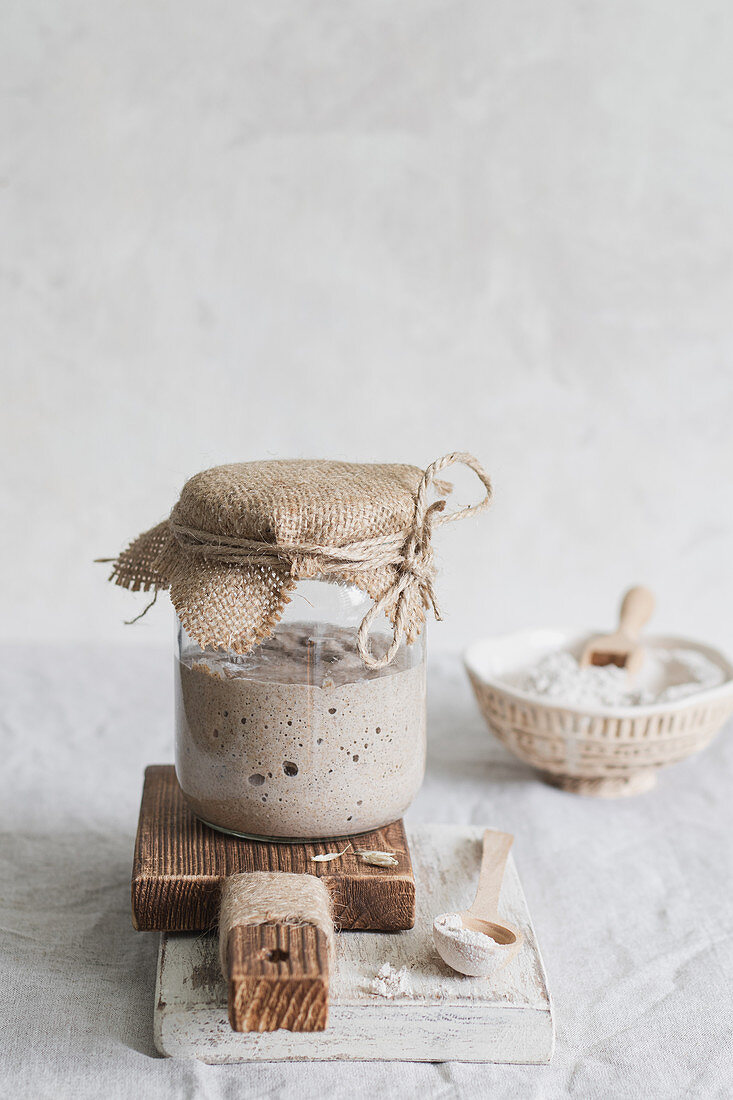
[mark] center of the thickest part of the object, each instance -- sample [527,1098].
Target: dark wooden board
[278,977]
[180,864]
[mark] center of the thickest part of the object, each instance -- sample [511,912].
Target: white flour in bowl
[667,675]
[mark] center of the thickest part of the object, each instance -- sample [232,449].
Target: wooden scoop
[502,940]
[271,901]
[622,648]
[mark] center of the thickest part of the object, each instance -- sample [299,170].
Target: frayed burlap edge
[214,599]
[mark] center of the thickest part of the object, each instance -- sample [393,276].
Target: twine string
[408,554]
[267,897]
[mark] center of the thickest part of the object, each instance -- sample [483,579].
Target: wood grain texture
[278,978]
[180,864]
[447,1017]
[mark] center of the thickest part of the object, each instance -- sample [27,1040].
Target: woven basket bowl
[606,752]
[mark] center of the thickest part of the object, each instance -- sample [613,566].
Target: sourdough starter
[299,739]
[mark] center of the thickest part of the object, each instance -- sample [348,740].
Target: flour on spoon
[452,925]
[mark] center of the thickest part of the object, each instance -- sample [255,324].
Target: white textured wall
[379,230]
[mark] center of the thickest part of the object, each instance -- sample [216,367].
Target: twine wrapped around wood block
[263,897]
[241,535]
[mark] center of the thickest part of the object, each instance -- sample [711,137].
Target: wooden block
[278,978]
[180,864]
[445,1016]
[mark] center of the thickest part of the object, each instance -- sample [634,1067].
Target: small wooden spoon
[469,955]
[622,648]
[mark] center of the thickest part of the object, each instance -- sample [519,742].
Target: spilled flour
[667,675]
[391,983]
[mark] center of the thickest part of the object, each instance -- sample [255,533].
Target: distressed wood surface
[180,864]
[278,978]
[446,1018]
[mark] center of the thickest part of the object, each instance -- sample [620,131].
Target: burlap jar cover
[242,535]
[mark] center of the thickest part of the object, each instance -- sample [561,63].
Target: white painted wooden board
[448,1017]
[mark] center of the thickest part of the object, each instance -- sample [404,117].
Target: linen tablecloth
[631,900]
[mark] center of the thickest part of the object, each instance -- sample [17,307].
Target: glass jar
[298,739]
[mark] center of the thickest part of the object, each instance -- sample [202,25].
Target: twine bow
[416,569]
[409,554]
